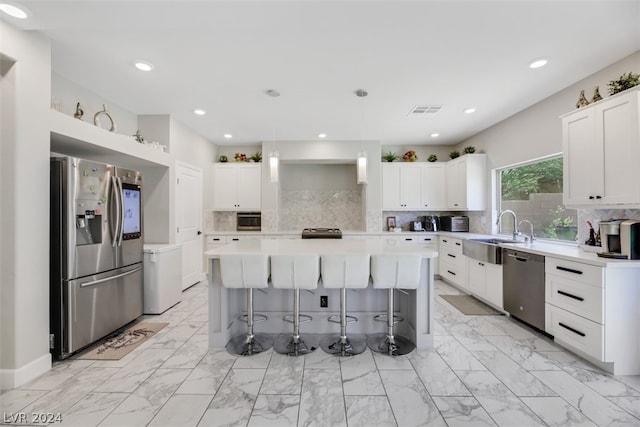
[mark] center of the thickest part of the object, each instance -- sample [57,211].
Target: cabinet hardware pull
[452,256]
[458,243]
[575,331]
[216,239]
[428,239]
[568,270]
[451,272]
[566,294]
[444,240]
[481,264]
[235,239]
[591,197]
[408,239]
[598,197]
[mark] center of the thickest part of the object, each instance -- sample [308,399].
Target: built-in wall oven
[248,221]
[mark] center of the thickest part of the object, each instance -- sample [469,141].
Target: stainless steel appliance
[454,223]
[248,221]
[610,239]
[630,238]
[431,223]
[321,233]
[96,252]
[523,286]
[416,226]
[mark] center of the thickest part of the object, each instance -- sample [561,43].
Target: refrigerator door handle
[107,279]
[121,210]
[116,198]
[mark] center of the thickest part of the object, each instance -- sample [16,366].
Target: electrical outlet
[324,301]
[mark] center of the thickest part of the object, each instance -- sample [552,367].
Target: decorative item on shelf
[223,159]
[582,100]
[410,156]
[432,158]
[79,112]
[391,223]
[256,157]
[138,137]
[454,154]
[389,157]
[240,157]
[596,95]
[104,112]
[470,149]
[626,81]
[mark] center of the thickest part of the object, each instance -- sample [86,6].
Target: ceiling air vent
[425,110]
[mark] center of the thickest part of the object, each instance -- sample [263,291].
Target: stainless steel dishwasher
[523,286]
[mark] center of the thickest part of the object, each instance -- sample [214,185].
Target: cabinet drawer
[451,244]
[572,270]
[581,333]
[216,240]
[453,269]
[576,297]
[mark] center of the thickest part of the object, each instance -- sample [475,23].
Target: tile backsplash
[321,208]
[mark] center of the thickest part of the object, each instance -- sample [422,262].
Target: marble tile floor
[484,370]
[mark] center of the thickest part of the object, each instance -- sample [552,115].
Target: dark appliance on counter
[523,286]
[96,252]
[321,233]
[620,239]
[416,226]
[454,223]
[248,221]
[431,223]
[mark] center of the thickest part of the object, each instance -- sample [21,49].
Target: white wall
[24,206]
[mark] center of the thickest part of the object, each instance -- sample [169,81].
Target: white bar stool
[249,272]
[393,272]
[344,272]
[295,272]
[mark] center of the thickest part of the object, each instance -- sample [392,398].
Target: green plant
[256,157]
[469,149]
[625,82]
[223,159]
[432,158]
[390,157]
[454,154]
[410,156]
[562,226]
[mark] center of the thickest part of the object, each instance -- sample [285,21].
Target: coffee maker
[431,223]
[620,238]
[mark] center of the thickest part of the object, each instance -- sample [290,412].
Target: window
[534,192]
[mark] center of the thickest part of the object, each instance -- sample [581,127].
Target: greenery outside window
[533,190]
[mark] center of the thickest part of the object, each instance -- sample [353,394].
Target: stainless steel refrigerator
[96,252]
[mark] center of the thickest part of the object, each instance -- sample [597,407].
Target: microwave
[454,223]
[248,221]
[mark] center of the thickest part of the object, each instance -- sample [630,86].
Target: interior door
[189,222]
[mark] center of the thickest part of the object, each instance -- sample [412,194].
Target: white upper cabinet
[601,147]
[434,196]
[401,186]
[237,186]
[466,178]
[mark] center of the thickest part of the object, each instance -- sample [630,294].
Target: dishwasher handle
[519,257]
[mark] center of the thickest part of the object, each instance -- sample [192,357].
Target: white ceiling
[222,56]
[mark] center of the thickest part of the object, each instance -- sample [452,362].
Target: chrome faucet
[515,221]
[531,229]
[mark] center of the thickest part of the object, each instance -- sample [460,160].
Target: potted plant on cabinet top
[626,81]
[390,157]
[410,156]
[432,158]
[469,149]
[454,154]
[256,157]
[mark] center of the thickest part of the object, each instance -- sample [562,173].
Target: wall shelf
[79,138]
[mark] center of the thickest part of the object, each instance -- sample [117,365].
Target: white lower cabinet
[593,311]
[452,263]
[484,280]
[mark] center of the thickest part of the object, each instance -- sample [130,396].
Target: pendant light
[361,166]
[274,160]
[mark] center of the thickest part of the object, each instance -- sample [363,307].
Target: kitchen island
[226,305]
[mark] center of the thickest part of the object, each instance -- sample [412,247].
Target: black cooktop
[321,233]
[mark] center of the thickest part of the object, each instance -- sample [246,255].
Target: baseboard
[12,378]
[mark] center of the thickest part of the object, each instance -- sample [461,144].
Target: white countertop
[320,247]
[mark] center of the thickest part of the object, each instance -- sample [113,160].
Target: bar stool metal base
[305,344]
[243,345]
[343,346]
[396,346]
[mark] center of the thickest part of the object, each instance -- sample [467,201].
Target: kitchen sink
[487,250]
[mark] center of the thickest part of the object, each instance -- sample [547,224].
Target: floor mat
[118,346]
[469,305]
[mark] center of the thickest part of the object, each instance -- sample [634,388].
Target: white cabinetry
[401,186]
[236,187]
[466,179]
[594,311]
[434,196]
[601,145]
[484,280]
[452,262]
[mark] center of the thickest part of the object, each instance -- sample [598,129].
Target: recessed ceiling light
[144,66]
[469,110]
[228,135]
[199,112]
[322,135]
[435,135]
[12,10]
[538,63]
